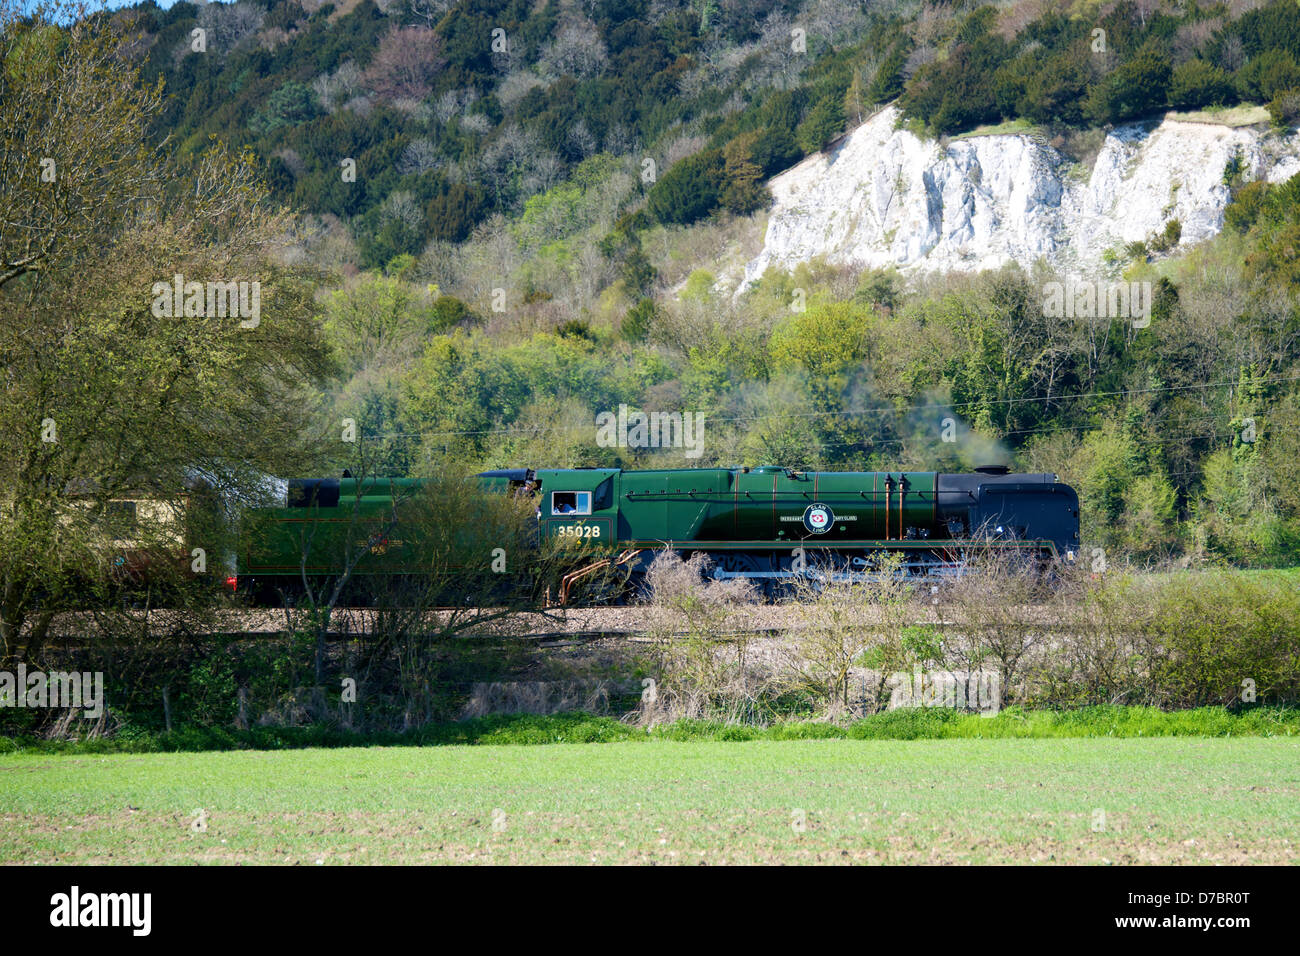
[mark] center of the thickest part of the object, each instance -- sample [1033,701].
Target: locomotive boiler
[767,523]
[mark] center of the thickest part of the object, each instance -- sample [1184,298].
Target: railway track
[582,624]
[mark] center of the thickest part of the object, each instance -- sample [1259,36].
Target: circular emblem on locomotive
[818,518]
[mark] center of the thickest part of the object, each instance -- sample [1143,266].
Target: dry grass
[1243,114]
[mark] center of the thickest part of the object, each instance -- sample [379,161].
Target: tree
[577,50]
[228,25]
[290,105]
[377,319]
[636,323]
[1138,86]
[73,171]
[406,63]
[887,84]
[1053,94]
[106,387]
[688,191]
[743,190]
[430,11]
[823,122]
[1196,83]
[825,340]
[775,150]
[1127,502]
[854,104]
[453,214]
[1268,74]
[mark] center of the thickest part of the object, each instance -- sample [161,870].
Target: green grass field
[1170,800]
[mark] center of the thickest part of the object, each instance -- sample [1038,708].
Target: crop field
[1171,800]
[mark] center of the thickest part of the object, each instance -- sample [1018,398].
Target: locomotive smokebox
[994,503]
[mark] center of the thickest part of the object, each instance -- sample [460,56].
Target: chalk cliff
[884,196]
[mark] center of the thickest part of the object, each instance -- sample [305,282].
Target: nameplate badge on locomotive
[818,518]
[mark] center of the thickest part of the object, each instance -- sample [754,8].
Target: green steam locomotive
[767,524]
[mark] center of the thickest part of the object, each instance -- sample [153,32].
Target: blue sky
[114,4]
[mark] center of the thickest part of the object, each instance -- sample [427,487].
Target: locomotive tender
[766,524]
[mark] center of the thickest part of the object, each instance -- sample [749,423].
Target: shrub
[290,105]
[689,190]
[1195,84]
[1225,639]
[636,323]
[448,311]
[1137,87]
[1267,74]
[1285,108]
[824,122]
[1168,238]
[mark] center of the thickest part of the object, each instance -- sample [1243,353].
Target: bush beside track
[1220,640]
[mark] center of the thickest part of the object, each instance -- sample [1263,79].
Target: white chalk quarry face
[885,197]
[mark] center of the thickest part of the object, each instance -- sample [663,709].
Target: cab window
[571,503]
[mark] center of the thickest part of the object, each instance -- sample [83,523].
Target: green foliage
[824,122]
[961,90]
[887,84]
[775,149]
[448,311]
[290,105]
[1167,238]
[1267,74]
[824,341]
[689,191]
[1052,93]
[1127,503]
[1196,84]
[1234,170]
[638,320]
[913,723]
[451,214]
[1248,203]
[743,191]
[923,644]
[210,693]
[1284,109]
[1235,518]
[1269,214]
[1137,87]
[487,403]
[1219,631]
[381,318]
[699,286]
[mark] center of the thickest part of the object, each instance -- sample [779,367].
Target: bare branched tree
[406,63]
